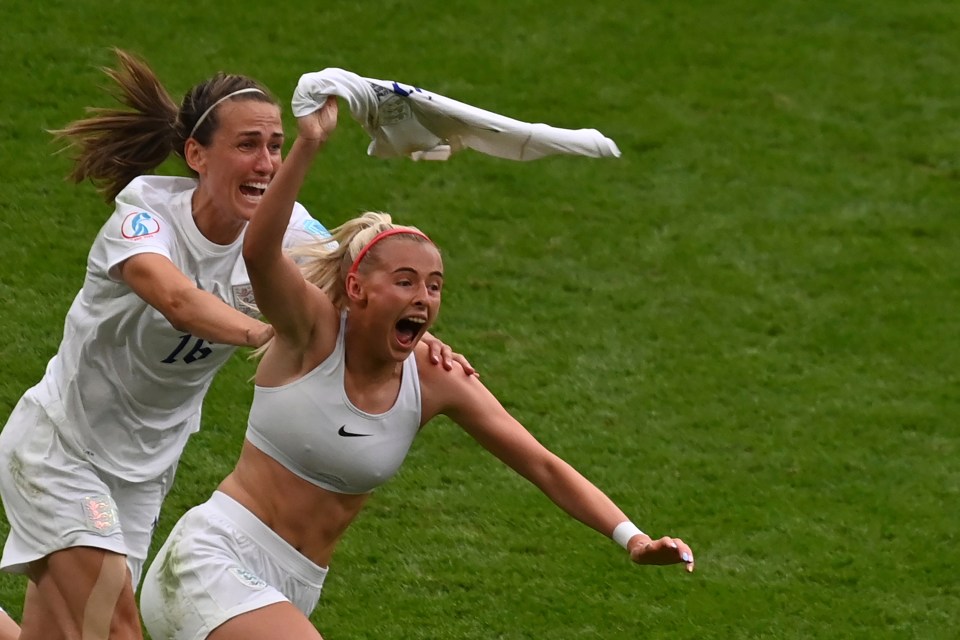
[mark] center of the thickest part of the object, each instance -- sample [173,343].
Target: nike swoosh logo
[346,434]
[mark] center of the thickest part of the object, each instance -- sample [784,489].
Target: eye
[246,145]
[275,149]
[435,287]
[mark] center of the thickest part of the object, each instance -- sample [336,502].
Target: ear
[195,155]
[355,290]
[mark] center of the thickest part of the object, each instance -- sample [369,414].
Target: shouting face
[400,291]
[242,158]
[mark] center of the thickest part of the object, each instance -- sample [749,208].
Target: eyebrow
[256,134]
[414,271]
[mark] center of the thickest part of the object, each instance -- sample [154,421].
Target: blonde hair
[325,264]
[115,145]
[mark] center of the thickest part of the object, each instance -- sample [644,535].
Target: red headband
[380,236]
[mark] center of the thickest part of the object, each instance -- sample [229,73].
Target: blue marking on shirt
[137,224]
[316,228]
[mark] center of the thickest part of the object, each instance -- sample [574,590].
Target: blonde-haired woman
[89,452]
[341,392]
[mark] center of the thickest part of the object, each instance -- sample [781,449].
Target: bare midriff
[309,518]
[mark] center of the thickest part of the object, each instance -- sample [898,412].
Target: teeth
[417,320]
[257,185]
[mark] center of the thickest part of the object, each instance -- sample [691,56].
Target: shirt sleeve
[303,228]
[132,230]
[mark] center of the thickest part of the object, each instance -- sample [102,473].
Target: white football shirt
[125,387]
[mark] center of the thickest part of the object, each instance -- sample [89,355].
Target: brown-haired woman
[89,453]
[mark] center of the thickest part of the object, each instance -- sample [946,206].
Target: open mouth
[409,329]
[253,190]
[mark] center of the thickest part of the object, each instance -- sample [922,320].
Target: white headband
[204,115]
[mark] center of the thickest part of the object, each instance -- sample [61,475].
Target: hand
[644,550]
[259,335]
[442,353]
[321,123]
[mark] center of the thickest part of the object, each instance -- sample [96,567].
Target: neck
[371,381]
[363,362]
[216,226]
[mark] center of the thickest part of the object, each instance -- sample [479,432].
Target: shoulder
[153,191]
[160,198]
[304,228]
[430,371]
[442,390]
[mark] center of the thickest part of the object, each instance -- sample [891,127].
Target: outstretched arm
[164,287]
[471,405]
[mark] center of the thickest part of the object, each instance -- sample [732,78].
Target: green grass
[744,329]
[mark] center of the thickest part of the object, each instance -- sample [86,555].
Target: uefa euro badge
[139,225]
[101,514]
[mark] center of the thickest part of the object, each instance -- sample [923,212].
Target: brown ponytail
[115,145]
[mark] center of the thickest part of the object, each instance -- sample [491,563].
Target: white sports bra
[311,427]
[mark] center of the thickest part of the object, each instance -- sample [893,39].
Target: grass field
[744,330]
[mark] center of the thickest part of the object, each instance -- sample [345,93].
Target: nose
[420,294]
[264,161]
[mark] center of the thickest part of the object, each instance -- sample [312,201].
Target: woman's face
[242,157]
[403,292]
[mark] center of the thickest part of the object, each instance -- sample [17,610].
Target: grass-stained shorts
[55,499]
[221,561]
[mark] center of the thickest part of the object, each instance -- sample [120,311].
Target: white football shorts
[55,499]
[221,561]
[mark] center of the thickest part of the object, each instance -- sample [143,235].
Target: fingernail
[685,557]
[673,545]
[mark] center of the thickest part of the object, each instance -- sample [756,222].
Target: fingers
[258,336]
[440,353]
[447,356]
[681,551]
[328,114]
[467,367]
[686,554]
[319,124]
[666,550]
[331,108]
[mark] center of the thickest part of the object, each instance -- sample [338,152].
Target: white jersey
[125,388]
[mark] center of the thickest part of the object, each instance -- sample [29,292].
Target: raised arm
[471,405]
[279,289]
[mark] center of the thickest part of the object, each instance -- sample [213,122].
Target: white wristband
[624,531]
